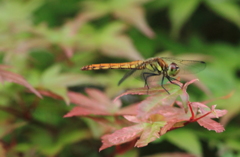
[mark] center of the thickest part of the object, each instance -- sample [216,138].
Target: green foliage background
[48,42]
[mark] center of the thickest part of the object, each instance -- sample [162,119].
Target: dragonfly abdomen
[127,65]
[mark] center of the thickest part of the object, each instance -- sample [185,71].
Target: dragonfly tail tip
[83,68]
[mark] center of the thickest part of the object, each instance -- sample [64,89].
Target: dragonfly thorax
[173,69]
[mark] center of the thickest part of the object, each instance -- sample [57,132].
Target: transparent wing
[186,66]
[127,75]
[135,72]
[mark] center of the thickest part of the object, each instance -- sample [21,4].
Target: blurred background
[47,42]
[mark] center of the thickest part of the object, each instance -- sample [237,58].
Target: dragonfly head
[173,69]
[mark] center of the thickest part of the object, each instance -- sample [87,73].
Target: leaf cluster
[44,44]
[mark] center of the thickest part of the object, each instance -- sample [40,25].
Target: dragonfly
[163,67]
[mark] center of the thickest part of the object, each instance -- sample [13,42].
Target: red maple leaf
[161,113]
[16,78]
[97,103]
[147,120]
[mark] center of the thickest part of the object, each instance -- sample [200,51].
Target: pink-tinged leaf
[166,127]
[199,105]
[178,103]
[149,134]
[80,99]
[121,136]
[137,18]
[94,102]
[135,91]
[157,114]
[133,119]
[12,77]
[188,83]
[172,114]
[148,105]
[101,98]
[152,102]
[185,96]
[217,113]
[161,113]
[81,111]
[128,110]
[142,91]
[210,124]
[49,94]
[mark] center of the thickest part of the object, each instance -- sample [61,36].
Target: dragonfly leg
[163,86]
[146,75]
[170,80]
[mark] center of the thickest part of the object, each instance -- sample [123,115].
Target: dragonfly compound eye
[173,69]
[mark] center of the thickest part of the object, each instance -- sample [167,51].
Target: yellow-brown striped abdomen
[127,65]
